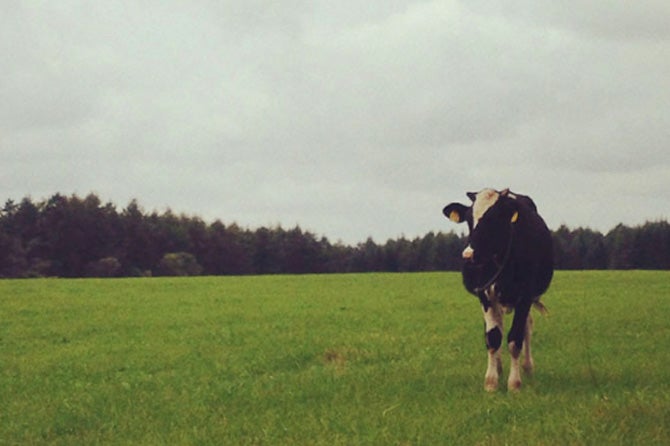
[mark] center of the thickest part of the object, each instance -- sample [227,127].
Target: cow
[508,265]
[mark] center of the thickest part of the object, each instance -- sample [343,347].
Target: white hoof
[491,383]
[514,385]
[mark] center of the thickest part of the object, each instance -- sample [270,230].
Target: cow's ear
[456,212]
[472,196]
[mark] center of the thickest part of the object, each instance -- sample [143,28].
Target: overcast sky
[349,118]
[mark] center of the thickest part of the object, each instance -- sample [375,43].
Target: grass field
[342,359]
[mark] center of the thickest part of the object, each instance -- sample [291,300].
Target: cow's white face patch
[483,202]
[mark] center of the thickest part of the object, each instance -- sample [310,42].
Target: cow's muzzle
[468,253]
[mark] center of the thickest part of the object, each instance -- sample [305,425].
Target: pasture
[379,359]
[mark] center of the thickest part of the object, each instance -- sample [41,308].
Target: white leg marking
[493,371]
[514,380]
[528,363]
[493,318]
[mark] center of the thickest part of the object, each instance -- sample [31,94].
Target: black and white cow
[508,265]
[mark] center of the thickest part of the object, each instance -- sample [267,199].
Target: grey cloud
[349,119]
[646,19]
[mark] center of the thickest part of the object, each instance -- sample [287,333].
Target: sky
[350,119]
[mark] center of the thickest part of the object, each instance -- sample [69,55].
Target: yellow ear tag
[515,217]
[454,216]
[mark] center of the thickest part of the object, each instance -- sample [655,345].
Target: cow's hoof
[514,385]
[491,384]
[528,368]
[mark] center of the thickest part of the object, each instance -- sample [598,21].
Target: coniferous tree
[77,237]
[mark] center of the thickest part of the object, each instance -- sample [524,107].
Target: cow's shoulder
[523,200]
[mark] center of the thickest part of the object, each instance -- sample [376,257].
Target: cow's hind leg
[493,321]
[528,363]
[515,343]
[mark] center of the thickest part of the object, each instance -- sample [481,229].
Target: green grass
[342,359]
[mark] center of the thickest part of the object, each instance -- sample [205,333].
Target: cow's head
[490,219]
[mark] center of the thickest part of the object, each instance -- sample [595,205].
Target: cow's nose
[468,253]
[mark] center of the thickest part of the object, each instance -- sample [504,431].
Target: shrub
[179,264]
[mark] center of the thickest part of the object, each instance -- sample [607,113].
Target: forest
[71,236]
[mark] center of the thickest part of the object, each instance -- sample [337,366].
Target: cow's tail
[539,306]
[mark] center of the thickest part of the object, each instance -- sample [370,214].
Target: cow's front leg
[493,322]
[515,343]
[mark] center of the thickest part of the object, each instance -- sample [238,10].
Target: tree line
[70,236]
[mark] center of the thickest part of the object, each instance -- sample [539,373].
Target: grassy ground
[343,359]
